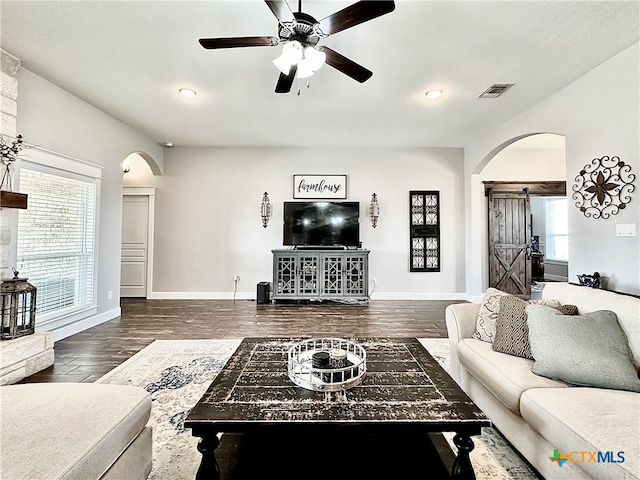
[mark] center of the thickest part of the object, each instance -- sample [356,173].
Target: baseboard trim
[82,325]
[555,278]
[417,296]
[202,296]
[252,296]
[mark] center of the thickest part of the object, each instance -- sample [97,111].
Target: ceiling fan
[300,34]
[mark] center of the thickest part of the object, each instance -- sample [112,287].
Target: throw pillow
[587,350]
[567,309]
[488,314]
[512,331]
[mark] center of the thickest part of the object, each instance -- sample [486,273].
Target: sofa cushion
[68,430]
[512,330]
[589,349]
[489,310]
[588,420]
[626,307]
[505,376]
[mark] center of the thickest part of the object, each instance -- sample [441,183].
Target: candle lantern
[17,307]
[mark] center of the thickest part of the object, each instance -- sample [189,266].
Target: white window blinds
[57,238]
[557,233]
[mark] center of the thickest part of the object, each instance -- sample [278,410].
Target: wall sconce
[374,210]
[265,209]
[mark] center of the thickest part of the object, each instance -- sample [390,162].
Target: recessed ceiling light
[433,94]
[187,92]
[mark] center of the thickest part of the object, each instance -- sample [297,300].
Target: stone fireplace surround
[24,356]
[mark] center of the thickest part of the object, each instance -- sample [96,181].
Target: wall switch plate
[625,230]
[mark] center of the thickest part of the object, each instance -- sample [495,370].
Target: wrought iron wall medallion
[603,187]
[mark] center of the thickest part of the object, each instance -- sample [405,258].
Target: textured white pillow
[488,313]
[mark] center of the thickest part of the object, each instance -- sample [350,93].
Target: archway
[532,157]
[138,221]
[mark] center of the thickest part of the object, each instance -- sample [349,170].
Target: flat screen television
[322,223]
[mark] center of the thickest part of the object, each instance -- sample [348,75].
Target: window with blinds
[56,240]
[557,232]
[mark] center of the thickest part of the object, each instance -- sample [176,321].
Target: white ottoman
[74,431]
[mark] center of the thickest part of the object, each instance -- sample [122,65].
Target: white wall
[56,120]
[598,115]
[208,226]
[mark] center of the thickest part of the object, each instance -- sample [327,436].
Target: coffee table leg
[462,468]
[209,468]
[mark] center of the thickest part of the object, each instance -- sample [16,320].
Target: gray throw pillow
[512,330]
[586,350]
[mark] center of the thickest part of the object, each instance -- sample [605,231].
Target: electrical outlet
[110,294]
[375,281]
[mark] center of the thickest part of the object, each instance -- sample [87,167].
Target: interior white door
[135,234]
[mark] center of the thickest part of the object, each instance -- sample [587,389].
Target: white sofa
[539,415]
[74,431]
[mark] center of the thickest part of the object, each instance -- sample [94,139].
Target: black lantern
[18,307]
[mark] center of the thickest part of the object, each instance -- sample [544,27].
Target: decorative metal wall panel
[424,216]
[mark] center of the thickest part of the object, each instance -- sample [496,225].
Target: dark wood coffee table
[405,394]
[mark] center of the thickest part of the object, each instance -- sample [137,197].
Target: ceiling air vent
[495,90]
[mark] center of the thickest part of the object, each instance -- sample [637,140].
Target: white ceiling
[129,58]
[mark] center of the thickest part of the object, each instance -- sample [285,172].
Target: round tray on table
[303,373]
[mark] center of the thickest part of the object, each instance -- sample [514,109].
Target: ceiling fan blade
[286,81]
[281,10]
[234,42]
[346,66]
[355,14]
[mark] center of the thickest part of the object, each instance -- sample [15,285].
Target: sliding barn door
[509,242]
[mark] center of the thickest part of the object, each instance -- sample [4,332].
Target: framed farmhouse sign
[320,186]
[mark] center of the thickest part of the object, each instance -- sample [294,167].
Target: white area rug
[177,372]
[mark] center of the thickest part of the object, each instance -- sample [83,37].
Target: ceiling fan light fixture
[283,64]
[291,54]
[292,51]
[315,58]
[304,69]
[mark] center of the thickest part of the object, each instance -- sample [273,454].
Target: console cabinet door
[285,277]
[355,275]
[332,275]
[308,267]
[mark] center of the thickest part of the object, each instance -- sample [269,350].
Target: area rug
[177,372]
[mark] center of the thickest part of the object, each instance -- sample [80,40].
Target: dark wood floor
[88,355]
